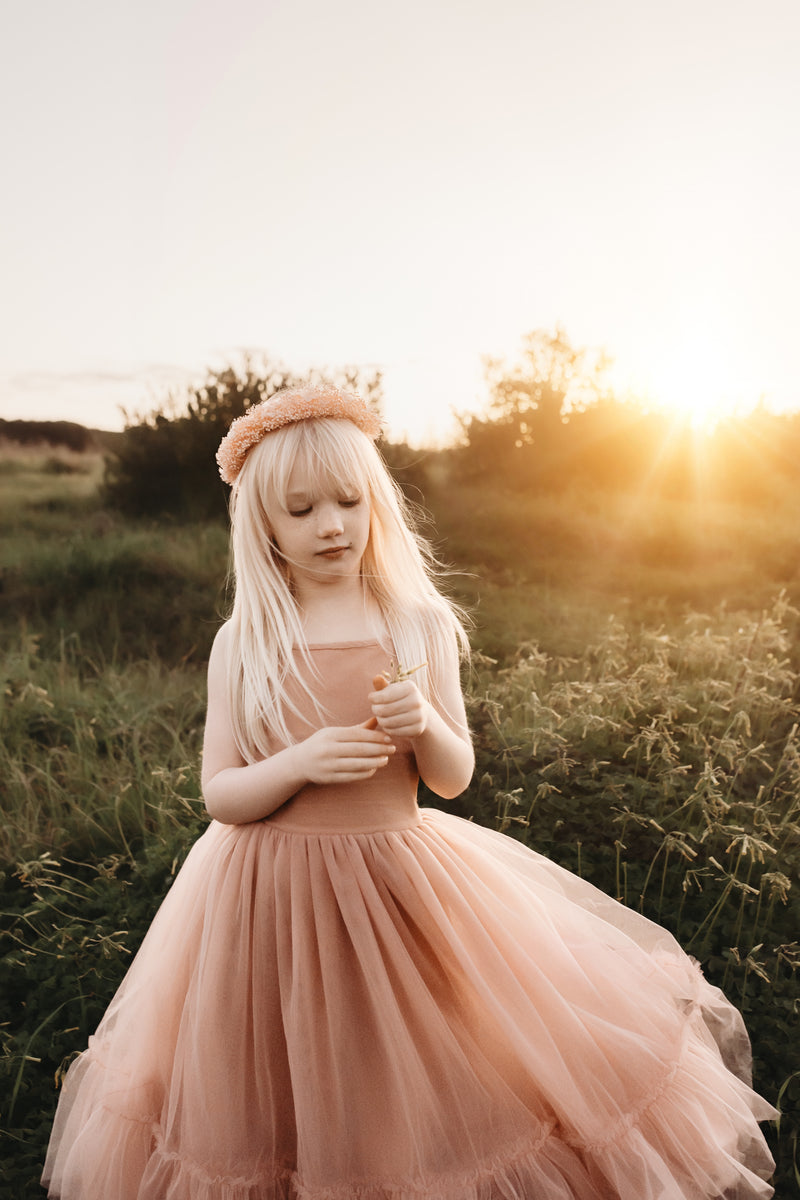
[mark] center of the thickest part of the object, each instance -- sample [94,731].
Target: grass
[639,725]
[35,478]
[647,559]
[93,756]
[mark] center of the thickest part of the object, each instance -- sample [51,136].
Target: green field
[635,699]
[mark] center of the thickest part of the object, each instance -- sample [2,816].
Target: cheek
[280,540]
[280,535]
[363,528]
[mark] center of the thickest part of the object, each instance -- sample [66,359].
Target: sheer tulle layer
[428,1012]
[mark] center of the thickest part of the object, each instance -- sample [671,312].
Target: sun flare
[698,385]
[700,411]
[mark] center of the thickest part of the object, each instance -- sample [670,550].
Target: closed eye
[350,503]
[299,512]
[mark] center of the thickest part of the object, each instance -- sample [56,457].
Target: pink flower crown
[292,404]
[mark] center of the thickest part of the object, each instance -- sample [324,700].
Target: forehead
[309,459]
[300,481]
[315,472]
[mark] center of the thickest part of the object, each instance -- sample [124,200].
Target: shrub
[164,464]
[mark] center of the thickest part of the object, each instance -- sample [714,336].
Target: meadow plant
[665,768]
[94,757]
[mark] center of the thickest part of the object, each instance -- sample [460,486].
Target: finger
[355,766]
[394,707]
[367,732]
[399,726]
[380,682]
[364,749]
[391,693]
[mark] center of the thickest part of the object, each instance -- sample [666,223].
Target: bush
[164,464]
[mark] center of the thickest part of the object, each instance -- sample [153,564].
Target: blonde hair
[398,570]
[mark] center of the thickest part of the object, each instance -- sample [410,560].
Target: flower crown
[285,407]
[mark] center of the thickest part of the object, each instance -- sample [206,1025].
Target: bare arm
[236,792]
[440,736]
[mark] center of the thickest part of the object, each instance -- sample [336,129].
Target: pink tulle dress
[356,999]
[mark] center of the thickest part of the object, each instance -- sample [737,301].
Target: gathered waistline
[356,831]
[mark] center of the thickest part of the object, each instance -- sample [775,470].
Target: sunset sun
[698,384]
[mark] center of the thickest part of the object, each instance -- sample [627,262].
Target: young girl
[343,996]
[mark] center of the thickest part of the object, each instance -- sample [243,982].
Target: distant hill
[67,434]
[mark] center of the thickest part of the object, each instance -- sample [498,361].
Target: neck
[340,610]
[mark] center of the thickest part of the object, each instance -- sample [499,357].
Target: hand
[346,754]
[400,708]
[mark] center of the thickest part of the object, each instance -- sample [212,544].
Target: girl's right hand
[345,755]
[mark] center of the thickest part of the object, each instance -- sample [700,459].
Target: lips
[332,551]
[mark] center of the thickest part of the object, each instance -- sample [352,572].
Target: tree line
[554,424]
[551,424]
[69,435]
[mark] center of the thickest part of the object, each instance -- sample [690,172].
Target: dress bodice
[341,679]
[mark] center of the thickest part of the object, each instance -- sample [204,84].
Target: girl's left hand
[399,708]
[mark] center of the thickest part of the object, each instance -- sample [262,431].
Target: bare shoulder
[221,646]
[224,633]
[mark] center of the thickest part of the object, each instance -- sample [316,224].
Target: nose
[330,520]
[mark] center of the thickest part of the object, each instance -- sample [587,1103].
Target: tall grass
[691,738]
[650,747]
[37,477]
[94,757]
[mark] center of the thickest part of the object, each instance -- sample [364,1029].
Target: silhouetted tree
[520,438]
[164,464]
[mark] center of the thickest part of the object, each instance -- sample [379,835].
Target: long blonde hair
[398,570]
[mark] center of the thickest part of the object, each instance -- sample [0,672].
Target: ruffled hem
[644,1157]
[532,1164]
[545,1168]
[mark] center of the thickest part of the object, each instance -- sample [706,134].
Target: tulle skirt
[426,1012]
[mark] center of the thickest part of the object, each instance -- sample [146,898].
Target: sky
[411,187]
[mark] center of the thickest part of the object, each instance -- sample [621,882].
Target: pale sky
[412,186]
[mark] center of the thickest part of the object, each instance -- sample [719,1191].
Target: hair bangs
[322,455]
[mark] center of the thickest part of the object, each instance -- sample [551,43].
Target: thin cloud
[37,381]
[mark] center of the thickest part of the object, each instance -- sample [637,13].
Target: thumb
[380,682]
[372,723]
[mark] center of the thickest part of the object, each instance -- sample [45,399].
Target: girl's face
[323,530]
